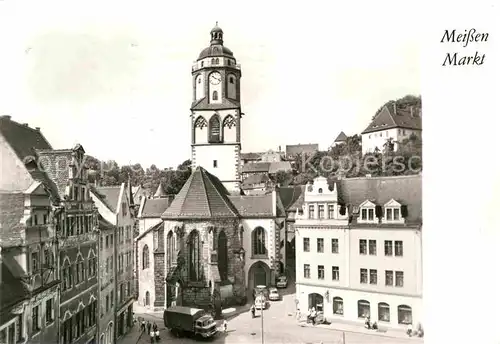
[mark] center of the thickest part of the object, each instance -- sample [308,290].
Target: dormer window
[367,212]
[392,212]
[320,190]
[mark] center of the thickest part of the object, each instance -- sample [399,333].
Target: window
[35,318]
[396,214]
[48,257]
[34,262]
[215,95]
[311,211]
[222,256]
[124,209]
[321,211]
[202,66]
[371,213]
[373,276]
[215,163]
[388,214]
[363,309]
[231,79]
[363,276]
[214,128]
[362,246]
[259,241]
[321,272]
[107,241]
[112,298]
[338,306]
[404,315]
[364,214]
[399,278]
[307,246]
[398,248]
[194,260]
[389,278]
[49,311]
[388,247]
[146,301]
[384,312]
[307,271]
[335,245]
[320,245]
[145,257]
[372,246]
[107,303]
[45,219]
[217,60]
[335,273]
[331,211]
[320,190]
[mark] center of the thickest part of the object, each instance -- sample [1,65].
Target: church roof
[204,104]
[216,47]
[341,138]
[202,197]
[155,207]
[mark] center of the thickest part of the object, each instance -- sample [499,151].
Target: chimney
[37,128]
[7,117]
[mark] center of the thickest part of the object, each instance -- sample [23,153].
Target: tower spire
[216,35]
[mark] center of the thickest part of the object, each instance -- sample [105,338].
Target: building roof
[160,191]
[257,206]
[251,156]
[390,116]
[12,231]
[204,104]
[406,190]
[11,288]
[292,150]
[341,138]
[23,139]
[256,167]
[154,227]
[255,179]
[280,166]
[202,197]
[216,47]
[104,224]
[155,207]
[109,195]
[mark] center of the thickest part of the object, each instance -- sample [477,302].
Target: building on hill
[148,258]
[391,124]
[359,249]
[250,158]
[216,112]
[256,184]
[117,283]
[271,156]
[292,151]
[218,247]
[138,193]
[341,139]
[28,159]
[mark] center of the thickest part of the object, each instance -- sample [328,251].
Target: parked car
[282,282]
[274,295]
[260,302]
[260,289]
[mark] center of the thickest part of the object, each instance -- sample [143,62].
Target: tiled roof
[255,179]
[280,166]
[154,227]
[56,165]
[203,104]
[11,288]
[202,197]
[104,224]
[11,214]
[255,206]
[155,207]
[251,156]
[23,139]
[407,190]
[256,167]
[109,195]
[292,197]
[341,138]
[299,149]
[160,192]
[390,117]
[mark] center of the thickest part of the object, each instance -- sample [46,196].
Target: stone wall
[159,278]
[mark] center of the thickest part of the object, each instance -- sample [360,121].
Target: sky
[115,76]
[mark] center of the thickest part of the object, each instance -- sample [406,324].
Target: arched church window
[199,80]
[217,60]
[202,63]
[145,257]
[214,129]
[259,241]
[170,248]
[231,80]
[213,61]
[195,272]
[229,122]
[215,95]
[200,123]
[222,257]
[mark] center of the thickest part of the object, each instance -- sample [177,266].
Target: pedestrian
[157,335]
[155,327]
[152,337]
[143,325]
[225,325]
[148,326]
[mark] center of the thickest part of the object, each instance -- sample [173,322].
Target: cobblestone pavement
[280,326]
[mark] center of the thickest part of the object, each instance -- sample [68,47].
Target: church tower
[216,112]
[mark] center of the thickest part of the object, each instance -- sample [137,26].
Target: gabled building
[341,139]
[390,126]
[116,245]
[359,249]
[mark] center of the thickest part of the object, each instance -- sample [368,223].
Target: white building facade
[361,258]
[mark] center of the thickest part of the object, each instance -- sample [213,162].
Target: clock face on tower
[215,78]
